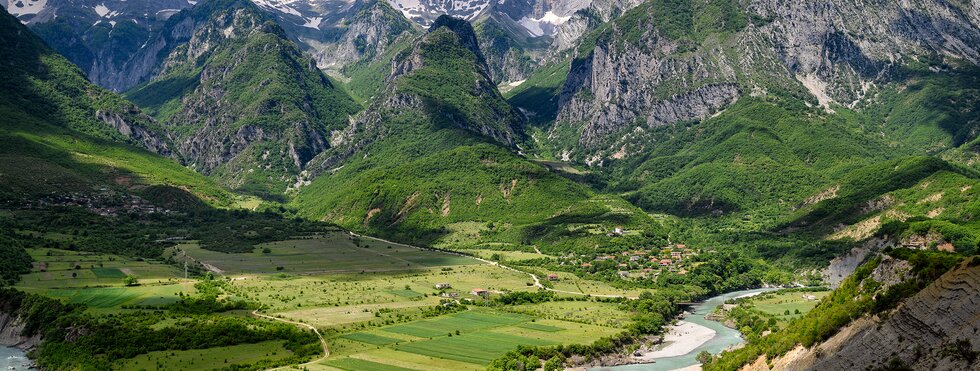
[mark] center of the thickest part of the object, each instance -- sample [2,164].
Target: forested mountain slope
[242,103]
[436,154]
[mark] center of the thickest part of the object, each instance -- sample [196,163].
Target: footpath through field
[323,342]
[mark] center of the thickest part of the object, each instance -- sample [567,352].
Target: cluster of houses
[639,262]
[448,293]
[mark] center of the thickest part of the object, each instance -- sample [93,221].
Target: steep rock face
[932,330]
[657,65]
[443,79]
[252,131]
[511,53]
[12,333]
[42,83]
[365,36]
[99,36]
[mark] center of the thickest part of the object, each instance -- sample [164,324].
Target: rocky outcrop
[148,139]
[12,333]
[364,37]
[935,329]
[645,71]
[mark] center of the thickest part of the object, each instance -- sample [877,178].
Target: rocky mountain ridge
[252,131]
[935,329]
[655,66]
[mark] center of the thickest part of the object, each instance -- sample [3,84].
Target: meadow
[350,298]
[205,359]
[327,253]
[779,303]
[465,340]
[96,280]
[373,300]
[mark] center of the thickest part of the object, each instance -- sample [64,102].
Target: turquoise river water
[724,337]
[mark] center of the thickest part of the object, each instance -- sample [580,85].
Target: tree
[704,357]
[130,280]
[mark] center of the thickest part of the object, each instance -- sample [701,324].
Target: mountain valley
[510,185]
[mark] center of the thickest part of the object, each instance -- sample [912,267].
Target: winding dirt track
[326,349]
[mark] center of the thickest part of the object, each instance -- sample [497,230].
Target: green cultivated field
[778,303]
[435,344]
[55,268]
[205,359]
[341,298]
[332,253]
[605,314]
[96,280]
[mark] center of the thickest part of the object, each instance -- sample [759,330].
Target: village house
[552,277]
[618,230]
[623,274]
[676,255]
[479,292]
[443,286]
[665,262]
[634,258]
[586,265]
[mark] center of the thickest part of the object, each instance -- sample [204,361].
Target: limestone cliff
[936,329]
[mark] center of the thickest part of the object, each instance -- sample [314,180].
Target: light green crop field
[570,282]
[779,303]
[55,268]
[434,343]
[506,255]
[205,359]
[331,253]
[98,280]
[605,314]
[332,299]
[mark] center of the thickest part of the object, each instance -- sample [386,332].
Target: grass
[370,338]
[463,322]
[352,298]
[205,359]
[472,339]
[330,253]
[778,304]
[98,282]
[479,348]
[354,364]
[540,327]
[605,314]
[54,268]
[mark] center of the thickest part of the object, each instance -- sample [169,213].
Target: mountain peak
[462,28]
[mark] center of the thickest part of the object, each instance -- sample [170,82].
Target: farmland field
[205,359]
[331,253]
[54,268]
[606,314]
[779,302]
[472,339]
[328,299]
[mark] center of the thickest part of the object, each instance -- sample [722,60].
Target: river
[724,337]
[14,359]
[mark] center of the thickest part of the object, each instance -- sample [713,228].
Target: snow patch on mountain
[546,25]
[313,23]
[25,7]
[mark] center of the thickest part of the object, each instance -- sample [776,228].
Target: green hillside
[438,172]
[251,131]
